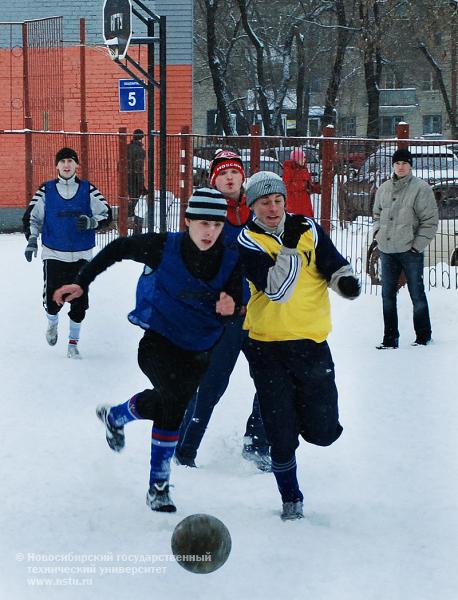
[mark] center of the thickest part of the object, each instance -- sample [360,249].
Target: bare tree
[269,58]
[369,15]
[435,26]
[222,92]
[342,38]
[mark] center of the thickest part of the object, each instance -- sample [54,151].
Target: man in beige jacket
[405,222]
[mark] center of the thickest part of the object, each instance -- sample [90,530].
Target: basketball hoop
[113,48]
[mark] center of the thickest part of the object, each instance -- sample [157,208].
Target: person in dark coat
[136,155]
[190,282]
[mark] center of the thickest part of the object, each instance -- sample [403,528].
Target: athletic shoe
[421,342]
[72,351]
[51,333]
[185,461]
[158,498]
[292,511]
[388,344]
[262,460]
[115,435]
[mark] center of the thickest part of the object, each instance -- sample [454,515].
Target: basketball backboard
[117,26]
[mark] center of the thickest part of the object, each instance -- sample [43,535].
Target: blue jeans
[213,385]
[412,265]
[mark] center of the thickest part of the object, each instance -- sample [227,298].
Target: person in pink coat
[299,184]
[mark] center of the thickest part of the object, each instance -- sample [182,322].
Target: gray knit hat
[263,183]
[206,204]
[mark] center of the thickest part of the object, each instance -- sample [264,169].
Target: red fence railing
[349,170]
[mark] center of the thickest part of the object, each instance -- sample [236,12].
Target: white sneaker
[72,351]
[51,333]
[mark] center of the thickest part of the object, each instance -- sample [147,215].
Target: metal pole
[83,118]
[327,176]
[453,70]
[27,117]
[150,96]
[122,183]
[163,122]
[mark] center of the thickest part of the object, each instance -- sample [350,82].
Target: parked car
[351,154]
[282,153]
[200,171]
[266,163]
[435,164]
[208,152]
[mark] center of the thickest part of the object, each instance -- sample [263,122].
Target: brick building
[102,77]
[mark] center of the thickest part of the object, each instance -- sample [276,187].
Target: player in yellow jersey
[290,262]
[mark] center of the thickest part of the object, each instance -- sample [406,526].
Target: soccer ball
[201,543]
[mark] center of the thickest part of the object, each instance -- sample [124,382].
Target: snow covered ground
[381,503]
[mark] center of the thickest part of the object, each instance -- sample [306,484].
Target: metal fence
[349,170]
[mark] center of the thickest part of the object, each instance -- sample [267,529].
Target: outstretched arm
[146,249]
[67,293]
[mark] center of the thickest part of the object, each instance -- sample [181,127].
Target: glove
[84,222]
[31,248]
[349,286]
[295,226]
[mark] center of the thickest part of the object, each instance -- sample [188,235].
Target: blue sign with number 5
[131,95]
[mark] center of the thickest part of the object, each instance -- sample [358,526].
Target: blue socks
[163,444]
[124,413]
[285,474]
[163,441]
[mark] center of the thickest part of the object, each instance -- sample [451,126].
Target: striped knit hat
[206,204]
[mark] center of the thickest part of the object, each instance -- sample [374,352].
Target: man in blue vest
[191,281]
[66,211]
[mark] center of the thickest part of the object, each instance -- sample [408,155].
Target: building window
[431,83]
[347,126]
[315,85]
[388,125]
[391,80]
[214,125]
[314,127]
[432,124]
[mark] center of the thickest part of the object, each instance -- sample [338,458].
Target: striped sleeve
[100,208]
[38,197]
[278,277]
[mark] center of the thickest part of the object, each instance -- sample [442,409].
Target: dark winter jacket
[197,270]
